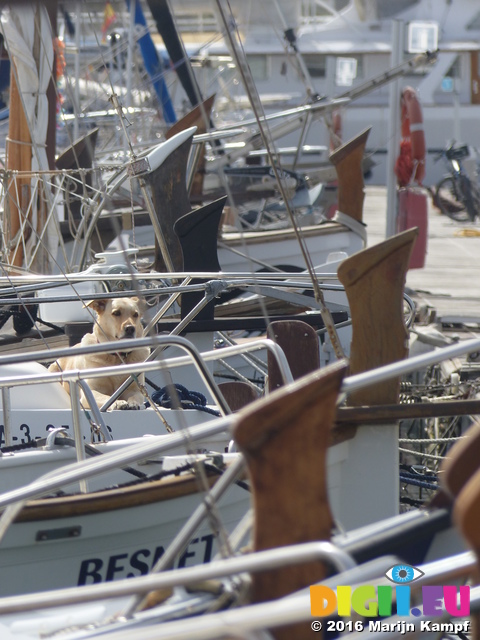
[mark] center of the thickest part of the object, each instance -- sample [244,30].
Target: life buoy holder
[410,164]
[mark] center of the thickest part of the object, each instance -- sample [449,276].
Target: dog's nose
[129,331]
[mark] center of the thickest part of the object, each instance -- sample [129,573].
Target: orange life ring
[412,129]
[59,49]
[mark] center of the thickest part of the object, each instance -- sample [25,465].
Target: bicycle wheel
[476,198]
[468,198]
[450,199]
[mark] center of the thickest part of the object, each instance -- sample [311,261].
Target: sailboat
[279,574]
[125,521]
[352,502]
[344,235]
[112,564]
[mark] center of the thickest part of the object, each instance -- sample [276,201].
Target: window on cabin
[345,71]
[353,63]
[196,22]
[316,65]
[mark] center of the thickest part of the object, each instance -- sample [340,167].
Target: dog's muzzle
[129,331]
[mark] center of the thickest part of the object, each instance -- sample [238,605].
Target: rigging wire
[223,543]
[216,523]
[28,225]
[236,45]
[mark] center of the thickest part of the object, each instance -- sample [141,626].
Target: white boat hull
[102,545]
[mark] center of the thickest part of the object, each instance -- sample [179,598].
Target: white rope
[422,455]
[431,440]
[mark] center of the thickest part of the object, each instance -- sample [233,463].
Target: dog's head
[118,319]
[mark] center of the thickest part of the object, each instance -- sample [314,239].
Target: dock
[449,283]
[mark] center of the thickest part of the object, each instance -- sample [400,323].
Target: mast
[18,158]
[166,27]
[52,8]
[30,238]
[153,64]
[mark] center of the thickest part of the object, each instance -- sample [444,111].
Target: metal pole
[77,429]
[130,49]
[7,415]
[394,129]
[131,45]
[77,68]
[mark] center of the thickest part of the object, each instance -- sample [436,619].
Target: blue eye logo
[403,573]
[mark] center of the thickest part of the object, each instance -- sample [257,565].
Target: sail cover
[29,42]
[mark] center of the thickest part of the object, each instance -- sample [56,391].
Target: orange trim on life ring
[59,49]
[412,128]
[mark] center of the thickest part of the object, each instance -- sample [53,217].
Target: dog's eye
[117,312]
[135,315]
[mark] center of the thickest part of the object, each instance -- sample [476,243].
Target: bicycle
[456,195]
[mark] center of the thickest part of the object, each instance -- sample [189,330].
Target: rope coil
[170,396]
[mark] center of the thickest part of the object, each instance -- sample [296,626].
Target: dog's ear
[141,303]
[97,305]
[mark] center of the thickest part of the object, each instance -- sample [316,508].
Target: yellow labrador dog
[117,319]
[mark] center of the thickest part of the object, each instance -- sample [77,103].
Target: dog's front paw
[119,405]
[123,405]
